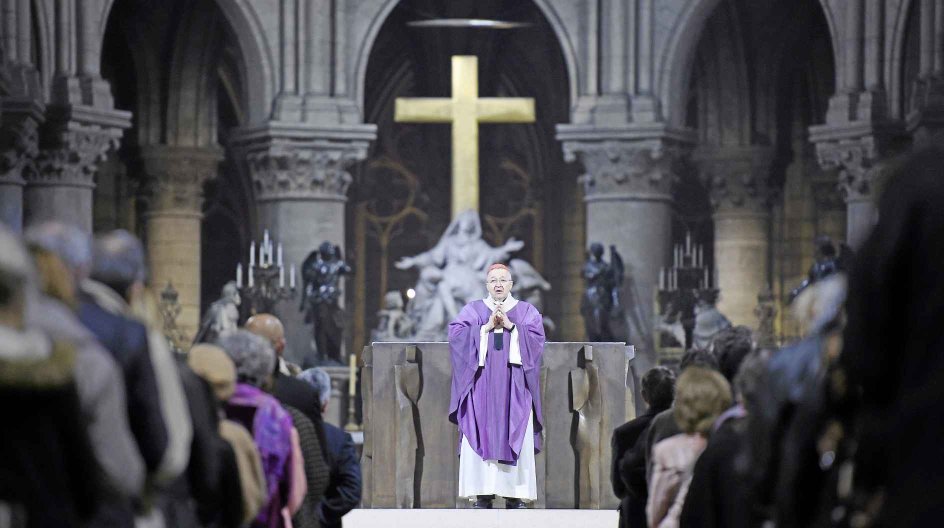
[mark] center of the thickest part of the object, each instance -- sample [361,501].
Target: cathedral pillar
[737,182]
[19,145]
[72,142]
[174,178]
[628,195]
[300,178]
[861,160]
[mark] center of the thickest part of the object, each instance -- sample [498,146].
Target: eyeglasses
[493,282]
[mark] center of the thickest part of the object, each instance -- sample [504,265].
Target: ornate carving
[737,178]
[19,139]
[409,385]
[861,157]
[631,168]
[318,171]
[70,151]
[175,176]
[587,404]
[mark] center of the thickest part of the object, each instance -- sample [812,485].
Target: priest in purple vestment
[496,346]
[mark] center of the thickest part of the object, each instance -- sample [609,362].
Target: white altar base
[495,518]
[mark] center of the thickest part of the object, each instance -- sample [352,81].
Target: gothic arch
[895,59]
[379,17]
[677,55]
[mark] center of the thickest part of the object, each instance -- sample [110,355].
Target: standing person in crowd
[720,495]
[242,491]
[701,395]
[628,472]
[893,347]
[344,487]
[50,477]
[118,277]
[56,248]
[271,427]
[663,425]
[295,395]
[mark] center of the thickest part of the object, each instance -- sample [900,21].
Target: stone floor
[435,518]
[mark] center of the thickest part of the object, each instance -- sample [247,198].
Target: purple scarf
[272,433]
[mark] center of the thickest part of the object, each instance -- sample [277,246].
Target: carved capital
[301,162]
[625,169]
[315,172]
[174,176]
[736,178]
[72,143]
[19,138]
[859,163]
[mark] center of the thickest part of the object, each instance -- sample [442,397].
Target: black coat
[302,396]
[344,487]
[627,471]
[719,495]
[127,342]
[47,466]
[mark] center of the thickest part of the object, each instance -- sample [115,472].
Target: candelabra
[265,285]
[681,286]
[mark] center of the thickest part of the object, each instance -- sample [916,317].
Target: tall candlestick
[281,277]
[707,279]
[265,238]
[252,253]
[250,276]
[280,255]
[661,278]
[688,243]
[239,275]
[291,277]
[352,381]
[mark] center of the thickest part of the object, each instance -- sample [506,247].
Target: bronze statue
[826,263]
[321,276]
[601,300]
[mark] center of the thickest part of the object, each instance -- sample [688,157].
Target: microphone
[498,338]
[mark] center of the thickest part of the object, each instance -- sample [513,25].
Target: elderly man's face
[498,283]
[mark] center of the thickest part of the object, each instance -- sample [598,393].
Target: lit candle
[688,243]
[239,275]
[661,278]
[280,255]
[352,382]
[252,253]
[291,277]
[250,276]
[265,238]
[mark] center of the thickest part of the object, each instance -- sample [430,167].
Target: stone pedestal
[73,141]
[299,175]
[737,182]
[627,186]
[174,178]
[19,145]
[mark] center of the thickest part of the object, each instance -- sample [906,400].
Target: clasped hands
[498,319]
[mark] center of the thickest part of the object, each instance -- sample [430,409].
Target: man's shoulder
[633,427]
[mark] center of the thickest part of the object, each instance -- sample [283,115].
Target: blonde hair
[700,396]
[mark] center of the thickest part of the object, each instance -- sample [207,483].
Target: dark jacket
[316,469]
[661,427]
[302,396]
[344,488]
[126,340]
[719,495]
[626,479]
[47,469]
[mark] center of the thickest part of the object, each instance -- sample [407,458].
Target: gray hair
[252,354]
[751,376]
[70,243]
[320,380]
[119,260]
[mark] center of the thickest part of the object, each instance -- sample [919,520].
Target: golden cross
[465,110]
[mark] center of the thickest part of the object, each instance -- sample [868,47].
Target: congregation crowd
[106,426]
[839,429]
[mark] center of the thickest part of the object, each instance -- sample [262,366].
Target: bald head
[269,327]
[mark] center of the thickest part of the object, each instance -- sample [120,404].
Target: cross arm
[422,110]
[506,110]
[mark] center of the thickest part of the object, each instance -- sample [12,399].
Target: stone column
[19,145]
[628,195]
[862,160]
[300,178]
[72,142]
[737,180]
[174,178]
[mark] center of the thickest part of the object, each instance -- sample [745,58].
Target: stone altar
[410,455]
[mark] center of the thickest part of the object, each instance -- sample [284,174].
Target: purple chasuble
[492,404]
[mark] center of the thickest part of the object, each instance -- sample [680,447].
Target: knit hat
[211,363]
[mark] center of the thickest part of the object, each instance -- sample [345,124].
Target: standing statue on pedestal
[451,274]
[601,300]
[321,276]
[826,263]
[222,317]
